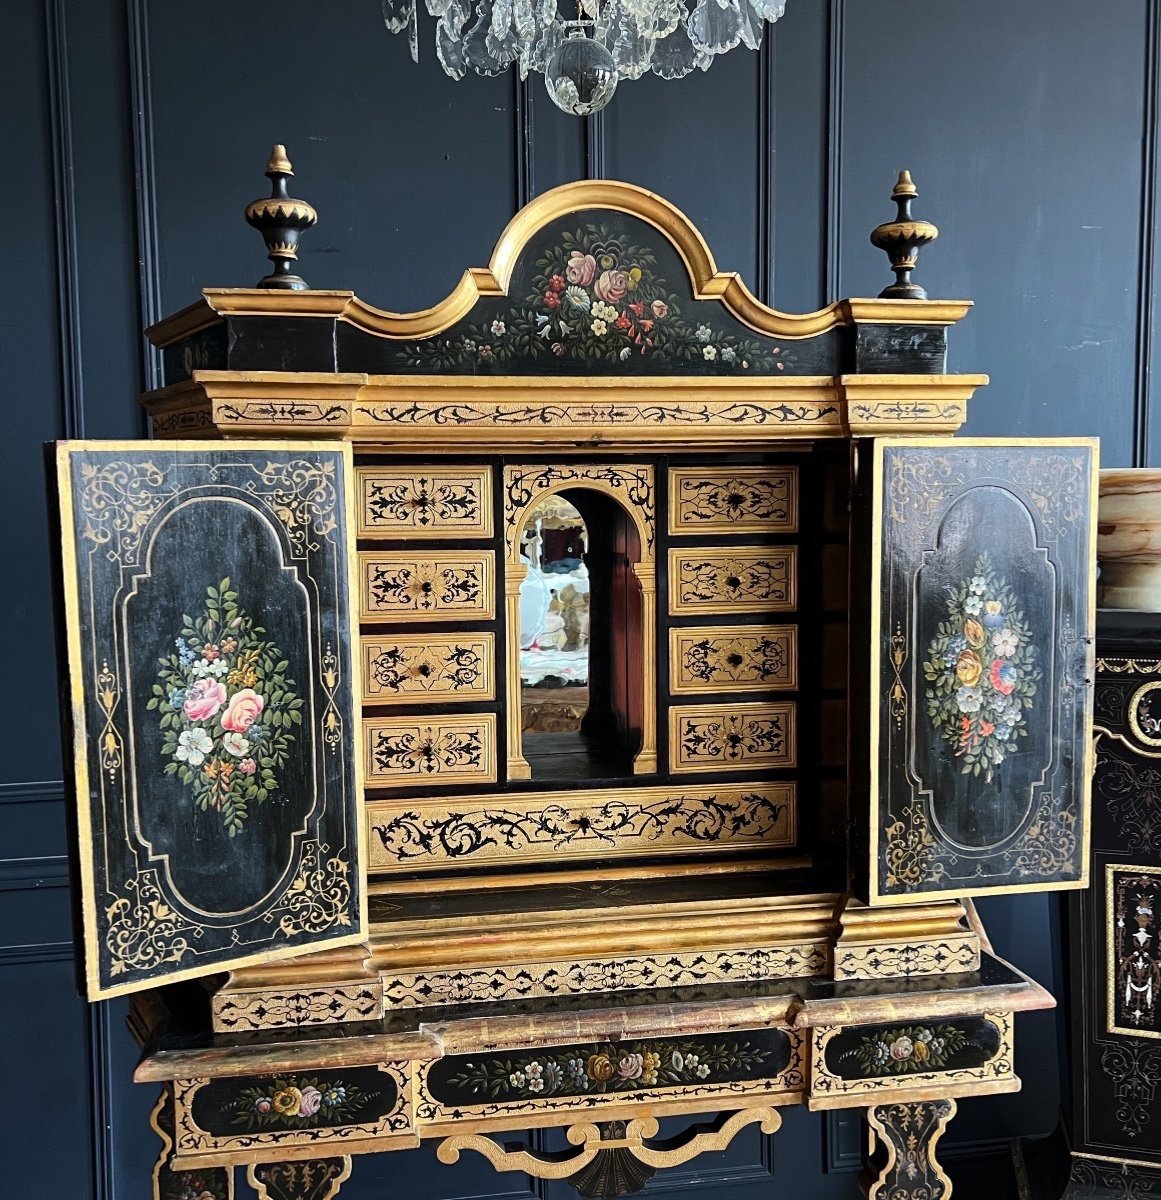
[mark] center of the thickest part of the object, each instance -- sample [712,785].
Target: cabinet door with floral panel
[980,637]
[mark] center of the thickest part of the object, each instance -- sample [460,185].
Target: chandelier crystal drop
[583,59]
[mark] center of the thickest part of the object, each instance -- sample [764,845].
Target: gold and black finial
[281,221]
[901,239]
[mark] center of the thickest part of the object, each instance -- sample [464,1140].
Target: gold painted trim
[707,282]
[426,566]
[730,558]
[430,667]
[416,504]
[1120,1162]
[723,643]
[728,723]
[875,896]
[1111,871]
[1129,666]
[81,782]
[716,524]
[582,824]
[1146,689]
[428,732]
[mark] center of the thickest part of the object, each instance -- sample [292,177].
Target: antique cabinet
[1116,966]
[595,698]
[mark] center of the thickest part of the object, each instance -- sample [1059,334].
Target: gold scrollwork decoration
[593,1141]
[118,500]
[319,898]
[304,499]
[898,697]
[143,930]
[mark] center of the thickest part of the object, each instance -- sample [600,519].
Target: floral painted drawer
[304,1114]
[594,1076]
[959,1055]
[424,502]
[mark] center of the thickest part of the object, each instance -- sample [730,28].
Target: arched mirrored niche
[581,690]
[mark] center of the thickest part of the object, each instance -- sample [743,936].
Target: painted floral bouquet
[909,1050]
[227,709]
[296,1103]
[981,672]
[595,295]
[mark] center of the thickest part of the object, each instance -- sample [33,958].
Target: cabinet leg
[313,1179]
[905,1167]
[202,1183]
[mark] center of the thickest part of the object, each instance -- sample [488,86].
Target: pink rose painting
[311,1102]
[243,711]
[612,286]
[581,269]
[203,700]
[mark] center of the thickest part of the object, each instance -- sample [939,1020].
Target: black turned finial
[281,222]
[901,239]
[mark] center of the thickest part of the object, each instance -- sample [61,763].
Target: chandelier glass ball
[585,55]
[581,76]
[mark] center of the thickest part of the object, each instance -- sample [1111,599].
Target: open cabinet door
[211,686]
[982,577]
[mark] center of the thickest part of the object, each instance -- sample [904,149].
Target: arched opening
[581,620]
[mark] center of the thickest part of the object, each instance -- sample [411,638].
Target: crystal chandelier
[584,59]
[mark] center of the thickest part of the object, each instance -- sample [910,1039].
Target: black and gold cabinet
[1115,956]
[601,693]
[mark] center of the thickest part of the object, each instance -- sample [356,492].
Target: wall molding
[523,158]
[835,89]
[766,150]
[38,791]
[35,952]
[1147,262]
[33,874]
[149,276]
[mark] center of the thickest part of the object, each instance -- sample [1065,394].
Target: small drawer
[731,737]
[413,752]
[293,1114]
[403,668]
[733,658]
[731,579]
[738,500]
[427,585]
[425,502]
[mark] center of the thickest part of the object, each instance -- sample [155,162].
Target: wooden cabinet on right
[1115,926]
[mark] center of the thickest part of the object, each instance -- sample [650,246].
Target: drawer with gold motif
[426,585]
[421,751]
[721,500]
[401,668]
[424,502]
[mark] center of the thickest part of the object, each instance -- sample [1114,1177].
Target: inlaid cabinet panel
[424,502]
[719,500]
[731,737]
[414,751]
[402,668]
[427,585]
[733,658]
[733,579]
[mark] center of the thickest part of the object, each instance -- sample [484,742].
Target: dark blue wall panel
[135,133]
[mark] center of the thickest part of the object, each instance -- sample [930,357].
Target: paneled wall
[133,135]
